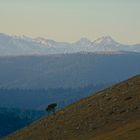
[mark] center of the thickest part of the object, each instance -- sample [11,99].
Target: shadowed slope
[112,114]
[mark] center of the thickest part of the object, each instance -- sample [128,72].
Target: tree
[51,108]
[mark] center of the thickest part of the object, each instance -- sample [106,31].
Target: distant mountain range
[22,45]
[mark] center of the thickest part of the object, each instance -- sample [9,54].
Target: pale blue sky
[69,20]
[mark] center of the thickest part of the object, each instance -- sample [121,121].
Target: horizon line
[83,37]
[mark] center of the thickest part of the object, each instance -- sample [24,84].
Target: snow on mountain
[23,45]
[83,42]
[45,42]
[105,40]
[106,44]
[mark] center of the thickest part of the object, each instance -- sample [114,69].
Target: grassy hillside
[112,114]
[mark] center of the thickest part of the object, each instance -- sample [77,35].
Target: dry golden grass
[130,131]
[112,114]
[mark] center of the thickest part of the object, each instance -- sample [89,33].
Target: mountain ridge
[23,45]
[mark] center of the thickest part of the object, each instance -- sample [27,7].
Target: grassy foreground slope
[112,114]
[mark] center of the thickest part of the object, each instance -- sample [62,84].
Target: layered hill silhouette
[112,114]
[67,71]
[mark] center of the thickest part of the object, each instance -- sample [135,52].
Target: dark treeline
[38,99]
[12,119]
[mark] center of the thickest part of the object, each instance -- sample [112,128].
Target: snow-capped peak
[84,39]
[84,42]
[24,45]
[104,40]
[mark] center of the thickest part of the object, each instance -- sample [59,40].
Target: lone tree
[51,108]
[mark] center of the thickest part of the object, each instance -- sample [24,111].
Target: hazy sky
[69,20]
